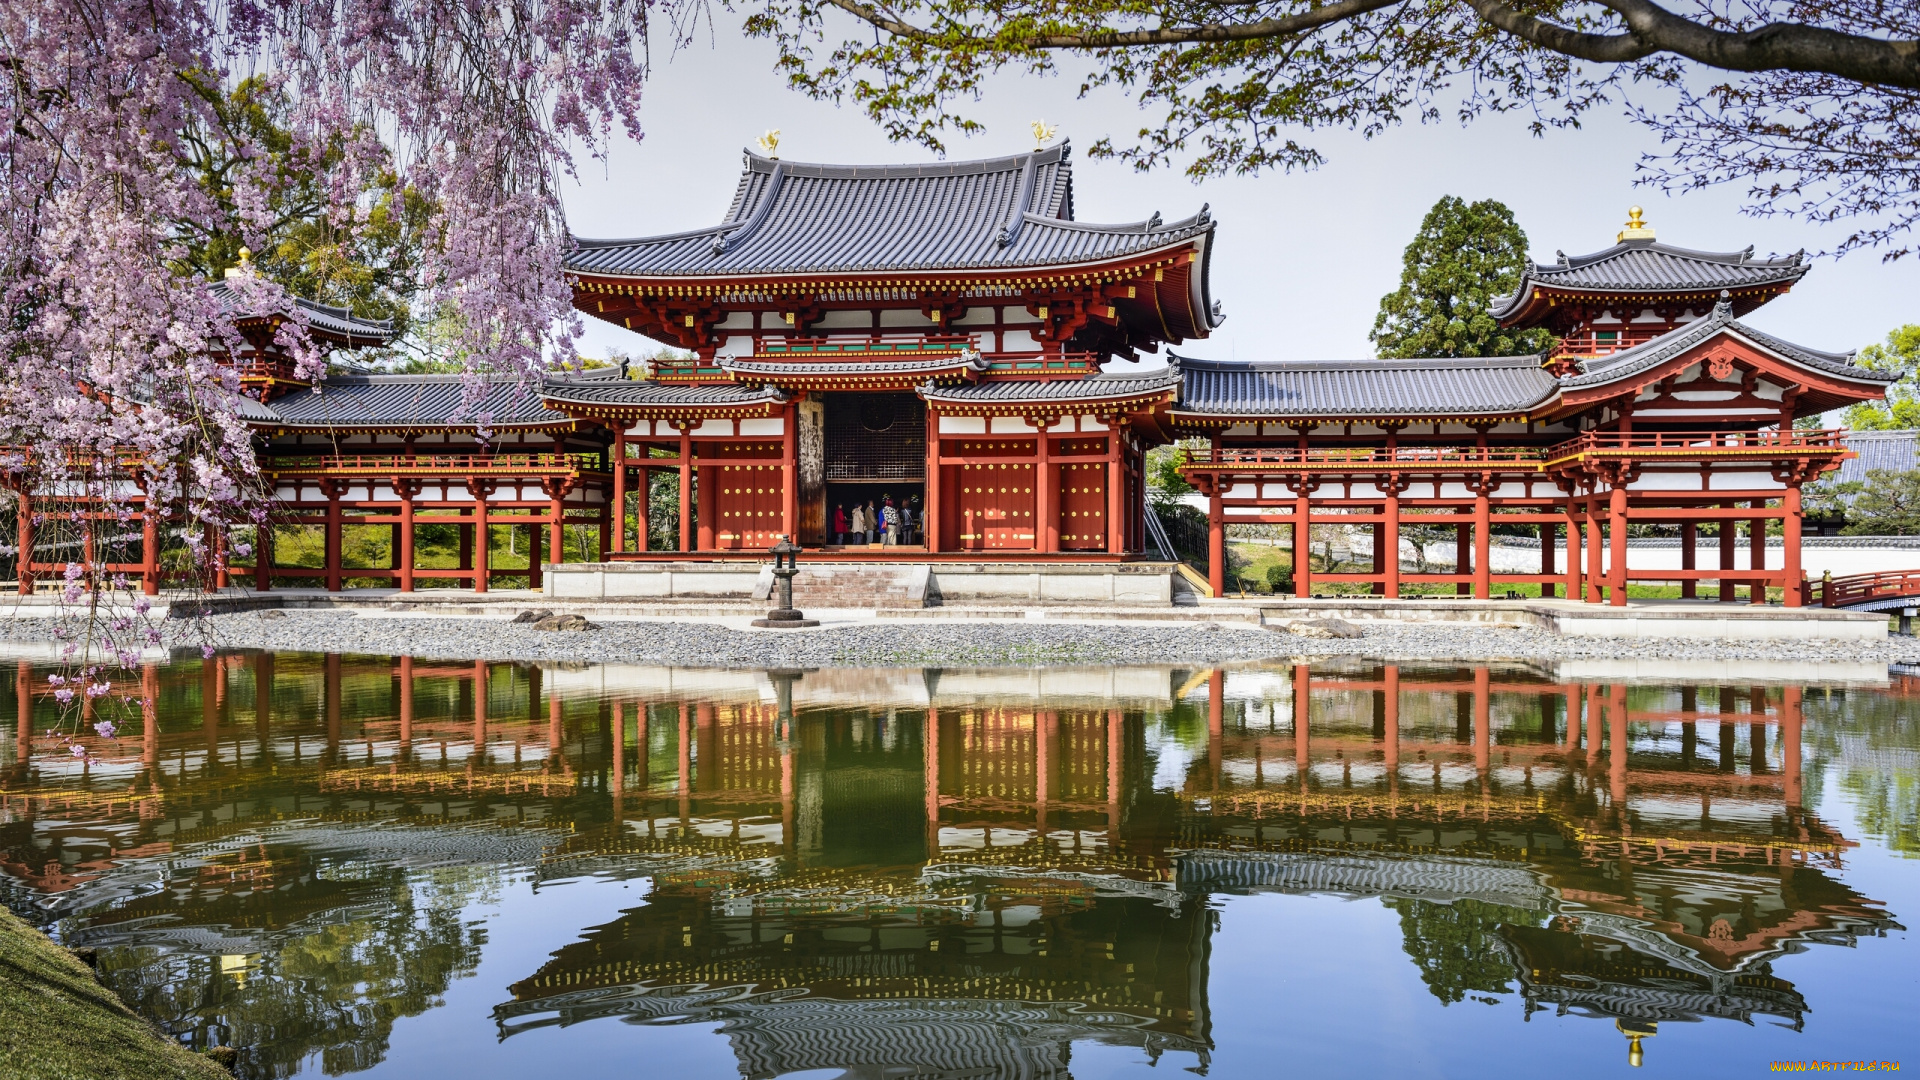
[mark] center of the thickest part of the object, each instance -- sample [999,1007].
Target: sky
[1301,260]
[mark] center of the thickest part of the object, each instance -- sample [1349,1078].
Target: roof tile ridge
[1005,162]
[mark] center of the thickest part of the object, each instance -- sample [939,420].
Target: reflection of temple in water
[959,871]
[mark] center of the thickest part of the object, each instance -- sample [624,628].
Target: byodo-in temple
[959,872]
[939,335]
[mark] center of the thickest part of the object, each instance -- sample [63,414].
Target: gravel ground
[942,644]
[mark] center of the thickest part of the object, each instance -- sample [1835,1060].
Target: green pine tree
[1466,257]
[1900,355]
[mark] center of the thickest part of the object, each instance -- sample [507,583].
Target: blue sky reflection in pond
[1114,872]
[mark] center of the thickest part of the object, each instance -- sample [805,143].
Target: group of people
[886,524]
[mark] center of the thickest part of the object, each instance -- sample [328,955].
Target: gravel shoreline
[944,644]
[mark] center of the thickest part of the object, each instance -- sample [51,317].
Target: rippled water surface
[363,865]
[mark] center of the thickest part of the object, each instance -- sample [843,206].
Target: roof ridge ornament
[1043,133]
[769,143]
[1635,229]
[1723,309]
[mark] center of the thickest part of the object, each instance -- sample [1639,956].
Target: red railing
[1771,442]
[1605,342]
[430,465]
[1333,457]
[1861,588]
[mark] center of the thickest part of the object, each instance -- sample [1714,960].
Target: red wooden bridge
[1881,591]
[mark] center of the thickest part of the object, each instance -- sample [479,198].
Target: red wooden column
[1617,747]
[1596,571]
[1573,550]
[557,526]
[1046,488]
[222,574]
[686,485]
[1689,540]
[333,526]
[1790,545]
[790,473]
[930,505]
[263,555]
[406,537]
[24,572]
[1302,540]
[1483,541]
[150,552]
[643,513]
[1727,530]
[619,488]
[482,549]
[1216,536]
[1757,553]
[1117,486]
[1617,540]
[1388,544]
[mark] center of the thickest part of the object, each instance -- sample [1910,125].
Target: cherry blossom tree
[114,400]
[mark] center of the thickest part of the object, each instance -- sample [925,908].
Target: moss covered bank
[58,1023]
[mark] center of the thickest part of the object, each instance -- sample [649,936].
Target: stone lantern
[786,555]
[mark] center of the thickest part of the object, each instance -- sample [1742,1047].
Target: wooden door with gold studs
[1083,505]
[996,506]
[748,506]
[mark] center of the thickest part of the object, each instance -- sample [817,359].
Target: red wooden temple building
[1657,407]
[936,335]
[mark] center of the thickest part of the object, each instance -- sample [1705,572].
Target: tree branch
[1165,35]
[1651,29]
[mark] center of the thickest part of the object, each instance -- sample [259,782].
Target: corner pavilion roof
[328,322]
[408,401]
[1640,268]
[788,217]
[1605,369]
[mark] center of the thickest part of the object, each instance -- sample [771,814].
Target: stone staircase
[853,586]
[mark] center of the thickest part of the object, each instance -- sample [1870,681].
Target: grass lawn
[57,1023]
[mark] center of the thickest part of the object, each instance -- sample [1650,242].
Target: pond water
[385,867]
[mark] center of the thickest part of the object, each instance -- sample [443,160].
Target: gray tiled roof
[1604,369]
[613,389]
[1897,451]
[325,318]
[1645,265]
[755,366]
[1100,387]
[425,401]
[1477,386]
[791,217]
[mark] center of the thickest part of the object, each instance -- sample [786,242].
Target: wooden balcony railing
[431,465]
[1605,342]
[1700,444]
[1317,458]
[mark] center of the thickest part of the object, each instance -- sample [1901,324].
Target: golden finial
[1636,229]
[245,269]
[1635,1030]
[1043,134]
[769,143]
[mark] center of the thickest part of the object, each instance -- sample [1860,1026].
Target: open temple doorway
[876,450]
